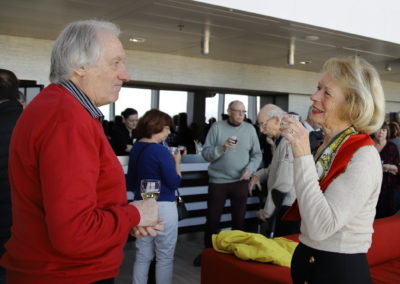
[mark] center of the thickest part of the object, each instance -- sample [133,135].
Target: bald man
[233,150]
[279,174]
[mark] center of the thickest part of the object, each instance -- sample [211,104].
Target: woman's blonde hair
[365,101]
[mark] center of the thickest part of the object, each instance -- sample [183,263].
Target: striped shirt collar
[83,99]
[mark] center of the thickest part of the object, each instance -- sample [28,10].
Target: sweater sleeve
[169,176]
[355,190]
[255,152]
[284,172]
[70,167]
[211,150]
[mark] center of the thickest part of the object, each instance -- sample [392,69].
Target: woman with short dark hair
[149,159]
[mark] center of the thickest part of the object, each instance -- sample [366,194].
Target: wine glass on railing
[150,188]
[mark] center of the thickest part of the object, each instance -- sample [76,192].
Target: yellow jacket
[251,246]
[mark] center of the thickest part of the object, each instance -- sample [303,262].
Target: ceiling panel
[175,27]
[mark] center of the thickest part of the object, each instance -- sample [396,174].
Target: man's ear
[80,71]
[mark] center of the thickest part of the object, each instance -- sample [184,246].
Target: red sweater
[70,214]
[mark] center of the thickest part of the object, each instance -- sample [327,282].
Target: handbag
[181,207]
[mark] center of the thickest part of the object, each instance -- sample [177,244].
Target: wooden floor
[187,248]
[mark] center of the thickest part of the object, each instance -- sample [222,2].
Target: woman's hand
[389,168]
[297,135]
[177,156]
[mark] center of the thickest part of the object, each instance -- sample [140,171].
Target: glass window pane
[106,111]
[139,99]
[229,98]
[212,107]
[173,102]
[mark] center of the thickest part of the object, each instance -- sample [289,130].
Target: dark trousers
[105,281]
[217,195]
[321,267]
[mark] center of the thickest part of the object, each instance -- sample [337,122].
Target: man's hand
[148,210]
[229,144]
[254,181]
[245,174]
[139,232]
[261,215]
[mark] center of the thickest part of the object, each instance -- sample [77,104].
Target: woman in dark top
[390,164]
[149,159]
[10,110]
[124,135]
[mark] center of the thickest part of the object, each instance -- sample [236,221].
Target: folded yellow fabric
[251,246]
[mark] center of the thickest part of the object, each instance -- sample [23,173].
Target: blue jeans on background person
[163,245]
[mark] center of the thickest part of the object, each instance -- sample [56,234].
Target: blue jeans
[163,246]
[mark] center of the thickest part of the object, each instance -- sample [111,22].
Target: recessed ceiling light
[137,39]
[312,37]
[305,62]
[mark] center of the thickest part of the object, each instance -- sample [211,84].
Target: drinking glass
[292,116]
[150,188]
[182,149]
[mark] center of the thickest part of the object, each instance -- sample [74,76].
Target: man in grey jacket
[233,150]
[279,174]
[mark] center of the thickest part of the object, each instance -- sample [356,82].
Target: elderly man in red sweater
[71,218]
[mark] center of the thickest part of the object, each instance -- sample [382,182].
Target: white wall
[30,59]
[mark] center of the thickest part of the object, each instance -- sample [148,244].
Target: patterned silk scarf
[324,161]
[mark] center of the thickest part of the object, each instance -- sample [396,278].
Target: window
[173,102]
[139,99]
[106,111]
[212,107]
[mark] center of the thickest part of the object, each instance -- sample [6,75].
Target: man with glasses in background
[233,150]
[278,175]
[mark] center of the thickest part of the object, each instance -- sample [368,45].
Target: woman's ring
[291,131]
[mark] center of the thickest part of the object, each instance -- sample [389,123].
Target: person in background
[10,110]
[394,130]
[233,150]
[184,134]
[337,189]
[390,164]
[123,135]
[316,134]
[71,218]
[279,174]
[149,159]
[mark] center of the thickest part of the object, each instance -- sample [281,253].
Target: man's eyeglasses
[238,111]
[263,124]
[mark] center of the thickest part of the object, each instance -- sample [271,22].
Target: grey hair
[77,45]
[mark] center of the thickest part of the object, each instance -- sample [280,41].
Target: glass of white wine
[150,188]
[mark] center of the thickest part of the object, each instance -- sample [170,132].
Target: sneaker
[197,261]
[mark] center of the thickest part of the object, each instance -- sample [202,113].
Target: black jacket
[9,113]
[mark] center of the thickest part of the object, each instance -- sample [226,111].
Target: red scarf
[339,165]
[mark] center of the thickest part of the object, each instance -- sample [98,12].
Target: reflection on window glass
[212,107]
[139,99]
[106,111]
[173,102]
[229,98]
